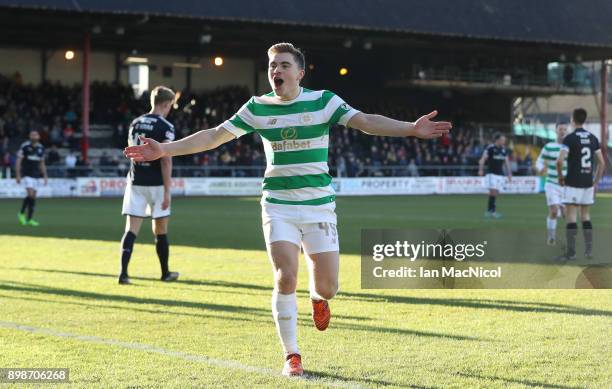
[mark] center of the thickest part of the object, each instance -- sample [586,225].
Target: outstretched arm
[381,125]
[204,140]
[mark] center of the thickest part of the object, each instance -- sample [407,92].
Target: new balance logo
[272,121]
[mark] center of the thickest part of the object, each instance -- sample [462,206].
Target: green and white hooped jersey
[548,157]
[295,135]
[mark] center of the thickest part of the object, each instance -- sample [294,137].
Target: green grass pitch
[60,305]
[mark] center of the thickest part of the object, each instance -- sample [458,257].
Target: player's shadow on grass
[528,383]
[267,289]
[312,375]
[141,310]
[188,282]
[516,306]
[263,313]
[25,287]
[182,281]
[508,305]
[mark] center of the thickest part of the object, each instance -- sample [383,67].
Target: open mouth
[278,82]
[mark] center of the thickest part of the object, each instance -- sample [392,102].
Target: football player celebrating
[298,202]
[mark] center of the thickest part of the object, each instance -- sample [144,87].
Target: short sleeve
[595,143]
[242,122]
[567,142]
[169,134]
[338,111]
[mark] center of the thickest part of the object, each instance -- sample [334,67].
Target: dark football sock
[163,252]
[587,231]
[491,207]
[31,208]
[571,232]
[127,244]
[25,204]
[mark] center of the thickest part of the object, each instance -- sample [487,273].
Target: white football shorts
[311,227]
[31,182]
[494,181]
[578,196]
[554,194]
[144,201]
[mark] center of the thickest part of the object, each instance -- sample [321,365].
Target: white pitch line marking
[223,363]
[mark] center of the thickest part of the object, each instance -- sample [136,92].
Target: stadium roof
[562,22]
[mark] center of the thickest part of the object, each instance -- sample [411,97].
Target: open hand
[424,128]
[148,150]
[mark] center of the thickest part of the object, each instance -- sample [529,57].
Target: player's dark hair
[161,94]
[285,47]
[497,135]
[579,115]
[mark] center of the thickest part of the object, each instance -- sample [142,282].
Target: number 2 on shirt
[585,161]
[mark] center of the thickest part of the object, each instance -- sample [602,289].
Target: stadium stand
[54,110]
[492,62]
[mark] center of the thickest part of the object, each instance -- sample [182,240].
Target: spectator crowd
[55,111]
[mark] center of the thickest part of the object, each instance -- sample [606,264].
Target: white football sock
[551,226]
[284,311]
[313,294]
